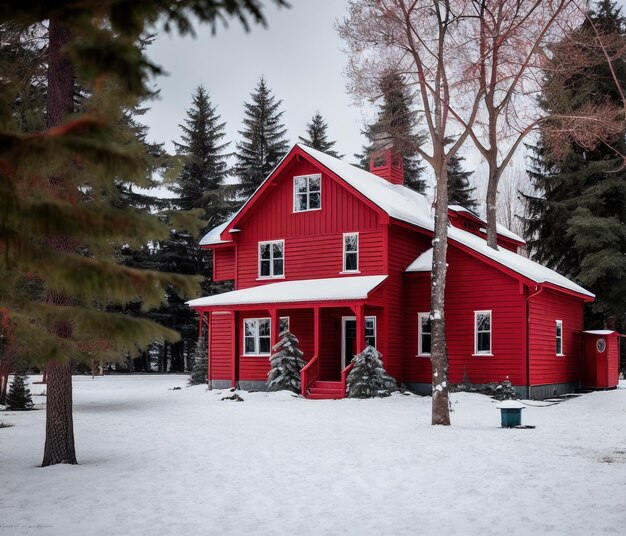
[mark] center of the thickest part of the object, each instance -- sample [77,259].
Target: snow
[600,331]
[213,236]
[157,461]
[511,404]
[423,263]
[501,229]
[329,289]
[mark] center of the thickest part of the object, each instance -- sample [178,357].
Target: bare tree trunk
[439,350]
[59,446]
[492,211]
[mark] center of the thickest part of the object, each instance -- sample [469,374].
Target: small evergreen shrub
[286,361]
[200,370]
[368,378]
[18,397]
[505,391]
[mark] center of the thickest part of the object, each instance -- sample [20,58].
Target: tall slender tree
[317,136]
[263,141]
[396,126]
[460,191]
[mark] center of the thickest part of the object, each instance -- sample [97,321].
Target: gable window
[559,337]
[370,331]
[257,335]
[307,193]
[482,332]
[272,259]
[423,334]
[284,324]
[351,252]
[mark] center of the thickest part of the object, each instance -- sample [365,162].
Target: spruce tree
[460,192]
[18,398]
[396,127]
[263,141]
[368,378]
[286,363]
[317,137]
[577,225]
[200,370]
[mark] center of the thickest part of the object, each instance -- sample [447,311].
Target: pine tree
[263,141]
[200,370]
[396,126]
[286,363]
[57,222]
[317,137]
[460,192]
[18,397]
[578,225]
[368,378]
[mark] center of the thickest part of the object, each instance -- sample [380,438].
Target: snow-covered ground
[156,461]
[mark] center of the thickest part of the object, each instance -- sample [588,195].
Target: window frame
[308,192]
[420,351]
[559,338]
[271,259]
[280,321]
[345,253]
[365,336]
[257,337]
[489,352]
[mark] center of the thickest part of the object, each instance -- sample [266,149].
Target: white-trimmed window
[482,332]
[307,192]
[283,325]
[272,259]
[559,337]
[257,336]
[351,252]
[370,331]
[424,333]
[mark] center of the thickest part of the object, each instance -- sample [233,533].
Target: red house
[342,257]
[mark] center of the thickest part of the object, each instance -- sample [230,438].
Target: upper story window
[272,259]
[257,334]
[307,193]
[482,332]
[423,334]
[559,337]
[351,252]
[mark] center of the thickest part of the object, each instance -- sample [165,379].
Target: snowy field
[156,461]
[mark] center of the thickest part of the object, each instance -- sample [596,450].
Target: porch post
[316,331]
[235,350]
[208,349]
[359,311]
[274,326]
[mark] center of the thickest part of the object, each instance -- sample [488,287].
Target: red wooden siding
[471,286]
[545,366]
[405,246]
[221,345]
[223,264]
[613,360]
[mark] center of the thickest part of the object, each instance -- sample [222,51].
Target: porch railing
[309,373]
[344,378]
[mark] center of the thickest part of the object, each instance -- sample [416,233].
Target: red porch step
[323,390]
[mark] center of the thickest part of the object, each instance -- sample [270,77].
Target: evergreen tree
[286,363]
[368,378]
[200,370]
[578,225]
[263,141]
[317,137]
[18,397]
[396,127]
[460,192]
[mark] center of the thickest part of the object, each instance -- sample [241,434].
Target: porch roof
[310,290]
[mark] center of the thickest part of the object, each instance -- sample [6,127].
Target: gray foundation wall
[243,384]
[535,392]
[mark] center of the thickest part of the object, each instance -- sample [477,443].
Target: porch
[330,331]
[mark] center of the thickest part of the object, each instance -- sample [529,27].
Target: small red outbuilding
[600,359]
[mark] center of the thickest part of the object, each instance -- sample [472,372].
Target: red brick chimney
[387,165]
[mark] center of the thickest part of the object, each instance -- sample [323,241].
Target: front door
[348,343]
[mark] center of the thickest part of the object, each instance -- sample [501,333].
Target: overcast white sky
[299,54]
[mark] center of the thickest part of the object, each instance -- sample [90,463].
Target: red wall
[223,264]
[471,285]
[221,346]
[545,366]
[313,240]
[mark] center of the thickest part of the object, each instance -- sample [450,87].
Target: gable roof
[501,229]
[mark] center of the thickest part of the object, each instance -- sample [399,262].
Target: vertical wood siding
[545,366]
[223,264]
[221,345]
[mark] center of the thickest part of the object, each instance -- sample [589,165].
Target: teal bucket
[511,417]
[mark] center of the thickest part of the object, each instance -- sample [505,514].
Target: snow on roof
[600,331]
[523,266]
[213,236]
[331,289]
[502,230]
[423,263]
